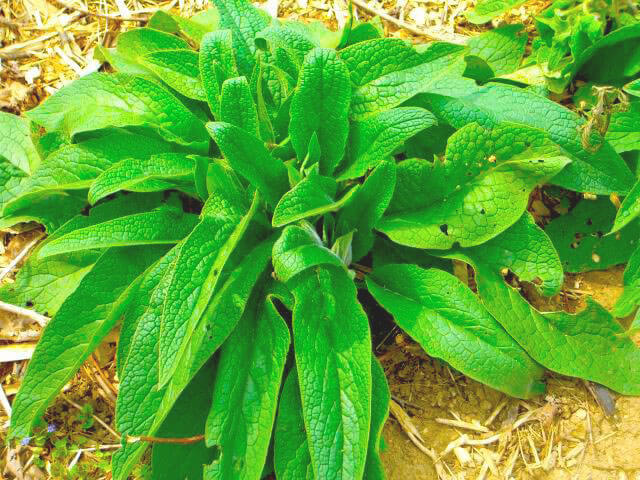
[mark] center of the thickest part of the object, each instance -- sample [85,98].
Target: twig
[7,270]
[453,38]
[95,449]
[115,17]
[181,440]
[25,312]
[476,427]
[95,417]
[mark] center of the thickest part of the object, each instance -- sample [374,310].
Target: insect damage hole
[444,228]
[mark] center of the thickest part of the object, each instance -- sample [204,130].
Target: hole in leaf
[444,228]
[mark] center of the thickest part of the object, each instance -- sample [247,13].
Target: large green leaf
[601,172]
[248,156]
[195,27]
[449,322]
[16,143]
[589,345]
[162,226]
[237,106]
[334,371]
[387,71]
[380,398]
[501,48]
[178,69]
[320,105]
[629,209]
[142,41]
[142,405]
[485,10]
[479,190]
[200,262]
[82,321]
[246,392]
[623,133]
[217,64]
[291,458]
[102,100]
[581,240]
[51,209]
[365,208]
[377,137]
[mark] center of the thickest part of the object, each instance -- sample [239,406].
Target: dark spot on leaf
[29,303]
[540,161]
[483,211]
[589,222]
[599,234]
[215,272]
[444,228]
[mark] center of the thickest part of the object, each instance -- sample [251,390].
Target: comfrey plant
[243,190]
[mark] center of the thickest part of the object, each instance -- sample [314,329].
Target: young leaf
[365,208]
[525,249]
[162,226]
[136,174]
[122,100]
[245,21]
[580,239]
[480,189]
[314,195]
[380,398]
[589,345]
[195,27]
[449,322]
[237,106]
[86,316]
[245,396]
[178,69]
[385,72]
[142,41]
[293,41]
[248,156]
[291,458]
[298,249]
[201,260]
[217,64]
[320,105]
[334,371]
[16,143]
[378,136]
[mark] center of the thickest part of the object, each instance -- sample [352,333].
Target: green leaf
[81,323]
[580,239]
[178,69]
[162,226]
[589,345]
[140,304]
[122,100]
[295,42]
[479,190]
[449,322]
[75,166]
[385,72]
[633,88]
[217,63]
[141,174]
[525,249]
[365,208]
[291,459]
[629,209]
[245,396]
[237,106]
[142,41]
[380,398]
[298,249]
[601,172]
[320,105]
[51,209]
[16,143]
[186,419]
[248,156]
[386,252]
[195,27]
[623,133]
[334,371]
[486,10]
[314,195]
[245,21]
[201,260]
[376,138]
[147,406]
[502,48]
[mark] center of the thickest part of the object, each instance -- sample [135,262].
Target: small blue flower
[25,441]
[52,427]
